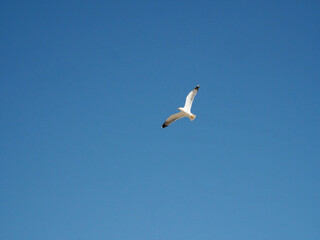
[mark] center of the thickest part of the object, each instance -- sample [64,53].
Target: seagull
[184,111]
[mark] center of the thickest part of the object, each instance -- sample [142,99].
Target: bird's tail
[193,117]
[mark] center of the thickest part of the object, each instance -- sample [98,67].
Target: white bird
[185,111]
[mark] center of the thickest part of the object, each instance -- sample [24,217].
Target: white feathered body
[186,113]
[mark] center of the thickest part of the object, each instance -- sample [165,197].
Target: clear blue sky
[86,86]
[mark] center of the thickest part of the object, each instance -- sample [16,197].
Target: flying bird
[184,111]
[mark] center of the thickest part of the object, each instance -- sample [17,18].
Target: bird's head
[180,108]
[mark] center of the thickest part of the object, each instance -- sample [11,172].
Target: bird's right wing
[172,118]
[190,97]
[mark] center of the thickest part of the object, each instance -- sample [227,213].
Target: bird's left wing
[190,97]
[172,118]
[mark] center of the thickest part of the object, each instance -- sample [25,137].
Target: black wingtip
[197,87]
[164,125]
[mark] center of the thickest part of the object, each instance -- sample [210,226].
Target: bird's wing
[190,98]
[172,118]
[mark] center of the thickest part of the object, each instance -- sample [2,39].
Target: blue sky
[86,86]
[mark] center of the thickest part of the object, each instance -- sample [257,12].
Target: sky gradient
[86,85]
